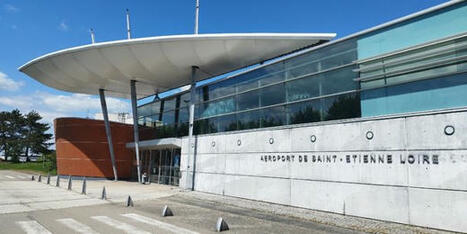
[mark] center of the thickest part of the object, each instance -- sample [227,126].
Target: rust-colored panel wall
[82,148]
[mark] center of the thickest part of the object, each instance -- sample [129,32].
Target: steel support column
[135,127]
[108,131]
[191,148]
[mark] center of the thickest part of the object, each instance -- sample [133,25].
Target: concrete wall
[410,171]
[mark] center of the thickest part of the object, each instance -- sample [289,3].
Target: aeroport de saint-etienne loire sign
[353,158]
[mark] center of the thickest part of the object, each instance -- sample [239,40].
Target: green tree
[36,140]
[13,134]
[23,134]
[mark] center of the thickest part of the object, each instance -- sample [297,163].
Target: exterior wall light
[449,130]
[313,138]
[271,140]
[369,135]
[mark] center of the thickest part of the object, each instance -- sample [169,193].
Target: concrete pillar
[191,124]
[135,126]
[108,132]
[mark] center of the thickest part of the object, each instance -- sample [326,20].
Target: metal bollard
[69,182]
[83,188]
[104,194]
[221,225]
[129,202]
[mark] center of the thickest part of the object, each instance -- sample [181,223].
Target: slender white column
[196,16]
[128,26]
[191,148]
[108,132]
[135,126]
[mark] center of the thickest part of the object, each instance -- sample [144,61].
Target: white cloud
[51,106]
[6,83]
[82,102]
[10,8]
[63,26]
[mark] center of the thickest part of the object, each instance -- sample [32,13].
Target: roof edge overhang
[171,38]
[157,144]
[161,63]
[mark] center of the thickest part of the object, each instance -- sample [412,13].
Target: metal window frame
[413,57]
[281,104]
[444,62]
[279,82]
[412,48]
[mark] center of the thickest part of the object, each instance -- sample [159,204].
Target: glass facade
[364,75]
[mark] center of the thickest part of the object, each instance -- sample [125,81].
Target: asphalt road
[31,207]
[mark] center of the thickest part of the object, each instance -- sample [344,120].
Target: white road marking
[159,224]
[10,177]
[33,227]
[127,228]
[77,226]
[20,177]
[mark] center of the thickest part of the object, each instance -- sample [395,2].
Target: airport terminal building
[372,125]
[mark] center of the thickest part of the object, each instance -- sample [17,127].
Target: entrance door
[162,166]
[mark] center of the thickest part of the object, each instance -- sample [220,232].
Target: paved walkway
[28,206]
[18,193]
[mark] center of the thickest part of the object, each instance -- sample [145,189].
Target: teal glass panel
[436,25]
[433,94]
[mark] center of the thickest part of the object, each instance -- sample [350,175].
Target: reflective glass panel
[249,119]
[274,116]
[248,100]
[342,107]
[226,123]
[272,95]
[168,117]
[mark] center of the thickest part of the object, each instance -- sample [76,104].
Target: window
[304,88]
[226,123]
[272,95]
[342,107]
[217,107]
[304,112]
[248,100]
[249,119]
[168,117]
[274,116]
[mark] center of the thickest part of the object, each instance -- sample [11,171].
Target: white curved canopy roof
[159,63]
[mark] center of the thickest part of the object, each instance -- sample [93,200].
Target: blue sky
[31,28]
